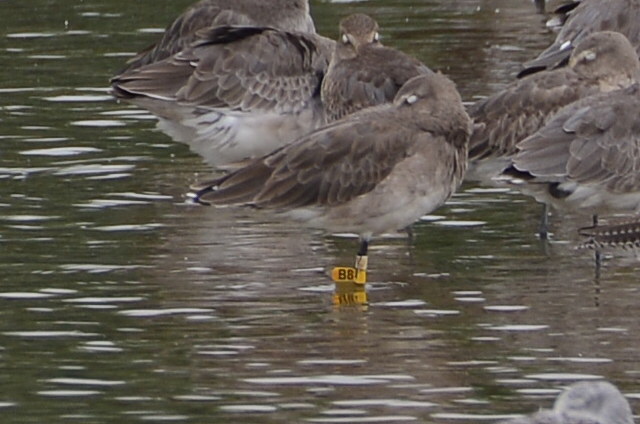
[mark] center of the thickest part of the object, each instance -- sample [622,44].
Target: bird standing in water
[376,170]
[602,62]
[587,157]
[228,73]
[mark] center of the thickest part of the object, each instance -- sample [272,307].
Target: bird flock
[351,135]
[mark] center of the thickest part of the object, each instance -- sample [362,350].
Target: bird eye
[412,99]
[376,36]
[345,39]
[589,55]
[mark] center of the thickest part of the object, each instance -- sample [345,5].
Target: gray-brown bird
[376,170]
[583,18]
[587,158]
[286,15]
[602,62]
[237,92]
[586,402]
[363,72]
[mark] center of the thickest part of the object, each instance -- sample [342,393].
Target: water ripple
[377,419]
[69,393]
[474,417]
[196,398]
[31,35]
[460,223]
[108,203]
[125,299]
[100,347]
[163,312]
[563,376]
[27,218]
[66,98]
[128,227]
[519,327]
[85,381]
[60,151]
[332,361]
[99,123]
[24,295]
[338,380]
[49,334]
[391,403]
[436,312]
[92,169]
[505,308]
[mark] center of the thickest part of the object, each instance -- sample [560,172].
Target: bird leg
[358,274]
[543,227]
[361,257]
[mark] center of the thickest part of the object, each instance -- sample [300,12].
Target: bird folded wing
[519,111]
[327,167]
[250,68]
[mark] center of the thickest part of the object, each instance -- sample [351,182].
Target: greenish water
[119,302]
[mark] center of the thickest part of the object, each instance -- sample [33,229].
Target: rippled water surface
[119,302]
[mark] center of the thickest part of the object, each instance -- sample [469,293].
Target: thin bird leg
[597,253]
[362,260]
[410,234]
[543,229]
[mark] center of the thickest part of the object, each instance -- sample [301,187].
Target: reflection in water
[121,302]
[350,294]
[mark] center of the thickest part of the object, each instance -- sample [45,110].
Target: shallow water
[121,302]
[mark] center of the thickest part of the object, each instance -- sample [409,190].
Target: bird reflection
[350,294]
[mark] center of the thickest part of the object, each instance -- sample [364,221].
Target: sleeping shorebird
[363,72]
[286,15]
[581,19]
[602,62]
[586,402]
[237,92]
[587,158]
[376,170]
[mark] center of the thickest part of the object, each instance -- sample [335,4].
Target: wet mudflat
[120,302]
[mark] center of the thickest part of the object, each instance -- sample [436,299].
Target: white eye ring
[376,36]
[412,99]
[590,55]
[345,39]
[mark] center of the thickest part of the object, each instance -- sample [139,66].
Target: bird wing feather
[595,140]
[242,68]
[521,109]
[327,167]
